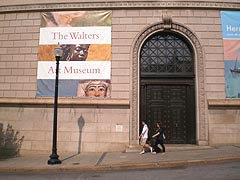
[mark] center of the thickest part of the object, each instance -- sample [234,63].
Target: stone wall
[106,127]
[224,126]
[19,56]
[86,129]
[19,34]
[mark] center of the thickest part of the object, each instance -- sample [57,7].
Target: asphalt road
[225,171]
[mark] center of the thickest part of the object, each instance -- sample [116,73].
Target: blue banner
[230,24]
[231,45]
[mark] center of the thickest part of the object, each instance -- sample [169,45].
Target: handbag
[164,137]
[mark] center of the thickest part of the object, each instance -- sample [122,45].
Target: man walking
[143,138]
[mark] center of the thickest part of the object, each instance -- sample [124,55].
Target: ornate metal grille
[166,53]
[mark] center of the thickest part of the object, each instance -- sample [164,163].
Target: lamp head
[58,52]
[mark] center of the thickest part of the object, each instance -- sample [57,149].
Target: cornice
[121,5]
[63,101]
[223,103]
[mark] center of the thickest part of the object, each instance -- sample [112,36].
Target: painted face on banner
[75,52]
[96,90]
[79,52]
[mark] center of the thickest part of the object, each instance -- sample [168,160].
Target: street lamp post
[54,156]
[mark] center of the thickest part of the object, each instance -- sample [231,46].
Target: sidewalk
[174,157]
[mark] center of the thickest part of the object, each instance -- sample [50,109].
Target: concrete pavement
[174,157]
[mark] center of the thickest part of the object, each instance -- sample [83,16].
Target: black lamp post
[54,157]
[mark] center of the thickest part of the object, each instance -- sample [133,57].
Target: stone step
[169,147]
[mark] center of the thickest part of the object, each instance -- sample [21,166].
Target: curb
[123,166]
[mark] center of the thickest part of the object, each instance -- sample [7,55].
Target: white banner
[75,70]
[75,35]
[85,66]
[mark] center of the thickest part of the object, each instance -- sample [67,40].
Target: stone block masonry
[86,125]
[79,129]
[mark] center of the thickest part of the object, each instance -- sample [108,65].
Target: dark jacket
[160,136]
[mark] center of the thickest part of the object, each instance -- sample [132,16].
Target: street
[225,171]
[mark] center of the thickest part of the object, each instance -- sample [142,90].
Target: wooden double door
[173,104]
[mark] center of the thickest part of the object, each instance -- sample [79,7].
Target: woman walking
[159,139]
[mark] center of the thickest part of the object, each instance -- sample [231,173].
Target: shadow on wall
[81,123]
[10,143]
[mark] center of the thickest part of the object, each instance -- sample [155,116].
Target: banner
[85,66]
[231,45]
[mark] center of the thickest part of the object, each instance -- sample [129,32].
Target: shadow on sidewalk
[70,157]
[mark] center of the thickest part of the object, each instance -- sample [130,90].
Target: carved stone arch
[202,125]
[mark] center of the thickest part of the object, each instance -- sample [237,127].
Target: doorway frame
[201,115]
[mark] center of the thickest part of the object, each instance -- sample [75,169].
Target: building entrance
[167,87]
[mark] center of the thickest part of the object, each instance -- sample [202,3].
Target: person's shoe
[142,152]
[151,149]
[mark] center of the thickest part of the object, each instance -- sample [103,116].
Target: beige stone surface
[74,129]
[40,146]
[224,126]
[19,34]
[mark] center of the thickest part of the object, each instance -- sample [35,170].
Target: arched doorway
[167,86]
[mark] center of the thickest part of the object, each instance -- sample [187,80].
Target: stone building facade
[96,125]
